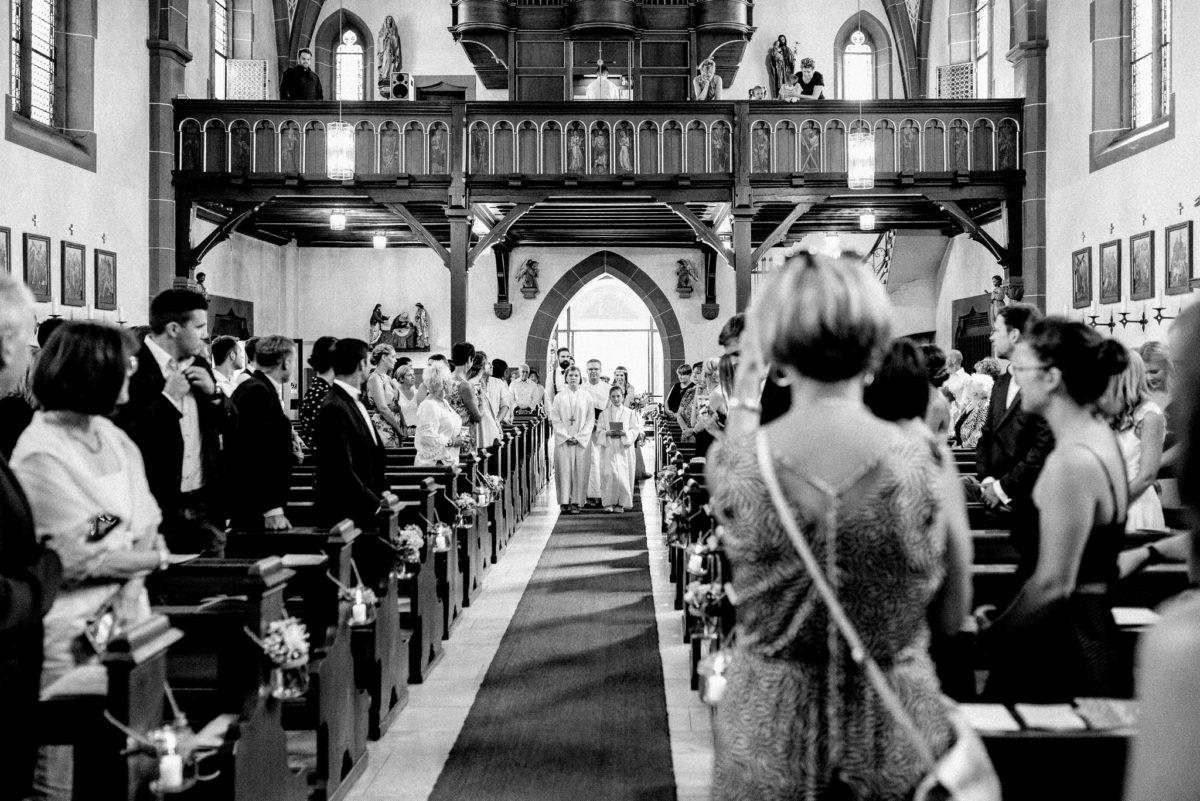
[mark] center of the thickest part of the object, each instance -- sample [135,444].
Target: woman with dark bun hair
[1057,639]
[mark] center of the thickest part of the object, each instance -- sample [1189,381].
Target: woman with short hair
[318,387]
[439,427]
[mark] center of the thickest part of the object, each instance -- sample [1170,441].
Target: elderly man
[597,388]
[29,572]
[957,380]
[527,393]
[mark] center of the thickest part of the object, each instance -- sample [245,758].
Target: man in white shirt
[597,388]
[498,391]
[556,371]
[527,393]
[957,381]
[227,361]
[603,88]
[249,362]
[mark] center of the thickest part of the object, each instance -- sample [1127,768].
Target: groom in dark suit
[262,454]
[1013,444]
[350,458]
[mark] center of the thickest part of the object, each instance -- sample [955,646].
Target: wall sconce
[379,241]
[337,221]
[866,221]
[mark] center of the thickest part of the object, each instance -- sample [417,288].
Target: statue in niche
[810,149]
[782,59]
[624,150]
[1008,146]
[528,278]
[479,147]
[600,152]
[720,149]
[908,147]
[685,274]
[422,325]
[958,148]
[437,151]
[707,84]
[762,150]
[289,158]
[389,55]
[575,151]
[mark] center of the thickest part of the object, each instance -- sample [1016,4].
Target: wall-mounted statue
[528,278]
[422,326]
[600,152]
[375,329]
[403,335]
[685,274]
[782,60]
[575,150]
[707,84]
[388,45]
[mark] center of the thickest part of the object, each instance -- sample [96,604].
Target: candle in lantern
[170,772]
[53,308]
[121,313]
[358,613]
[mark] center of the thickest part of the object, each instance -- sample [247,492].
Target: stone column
[1029,60]
[168,57]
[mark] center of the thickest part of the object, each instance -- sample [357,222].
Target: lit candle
[121,313]
[53,308]
[170,772]
[358,613]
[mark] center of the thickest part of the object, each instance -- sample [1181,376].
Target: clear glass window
[858,69]
[349,66]
[220,46]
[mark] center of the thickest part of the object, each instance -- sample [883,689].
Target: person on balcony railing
[708,84]
[812,84]
[300,82]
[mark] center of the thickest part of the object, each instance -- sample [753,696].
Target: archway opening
[606,320]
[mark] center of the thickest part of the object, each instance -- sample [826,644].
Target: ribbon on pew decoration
[286,645]
[363,601]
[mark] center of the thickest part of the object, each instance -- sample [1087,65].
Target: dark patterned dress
[795,723]
[317,390]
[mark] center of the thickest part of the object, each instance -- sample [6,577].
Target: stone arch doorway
[605,262]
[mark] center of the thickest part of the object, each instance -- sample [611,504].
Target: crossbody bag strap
[858,651]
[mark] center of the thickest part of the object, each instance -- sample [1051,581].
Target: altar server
[572,417]
[616,432]
[596,388]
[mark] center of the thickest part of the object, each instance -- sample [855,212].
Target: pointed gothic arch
[605,262]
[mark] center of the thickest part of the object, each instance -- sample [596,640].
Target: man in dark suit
[1013,444]
[262,455]
[29,572]
[299,82]
[179,419]
[350,458]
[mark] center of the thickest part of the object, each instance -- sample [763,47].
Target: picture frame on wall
[1110,271]
[1081,278]
[106,279]
[5,251]
[1178,251]
[72,276]
[37,266]
[1141,266]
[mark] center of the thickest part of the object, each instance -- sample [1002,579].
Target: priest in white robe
[597,389]
[573,420]
[617,432]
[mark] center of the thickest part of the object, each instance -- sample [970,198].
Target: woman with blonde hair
[380,397]
[439,428]
[1140,428]
[969,425]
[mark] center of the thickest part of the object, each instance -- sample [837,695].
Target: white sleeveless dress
[1146,512]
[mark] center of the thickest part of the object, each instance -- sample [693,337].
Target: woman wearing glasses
[1057,639]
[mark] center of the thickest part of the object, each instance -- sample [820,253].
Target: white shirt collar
[353,392]
[160,355]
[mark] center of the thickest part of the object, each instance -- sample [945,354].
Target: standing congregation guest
[969,425]
[684,373]
[812,84]
[1057,640]
[406,396]
[262,456]
[318,388]
[462,395]
[299,82]
[687,402]
[617,431]
[990,366]
[350,458]
[527,393]
[556,373]
[439,428]
[864,493]
[730,338]
[1159,377]
[573,419]
[91,504]
[621,379]
[381,397]
[439,359]
[30,572]
[1014,441]
[705,425]
[937,414]
[596,387]
[227,360]
[489,423]
[179,419]
[498,391]
[249,363]
[956,376]
[1140,429]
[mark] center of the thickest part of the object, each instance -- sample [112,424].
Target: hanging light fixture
[339,139]
[866,220]
[379,241]
[833,245]
[337,220]
[860,147]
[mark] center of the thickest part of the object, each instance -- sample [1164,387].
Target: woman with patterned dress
[318,388]
[380,397]
[798,720]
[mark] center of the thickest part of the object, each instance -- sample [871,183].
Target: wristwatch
[164,559]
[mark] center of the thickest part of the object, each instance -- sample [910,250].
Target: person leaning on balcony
[300,82]
[812,84]
[708,84]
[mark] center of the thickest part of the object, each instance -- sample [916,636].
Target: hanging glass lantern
[337,221]
[866,221]
[339,151]
[379,241]
[860,157]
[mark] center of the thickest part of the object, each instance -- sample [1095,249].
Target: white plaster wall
[1084,208]
[263,42]
[108,208]
[249,269]
[1003,74]
[913,281]
[966,270]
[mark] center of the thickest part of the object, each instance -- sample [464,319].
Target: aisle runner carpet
[572,707]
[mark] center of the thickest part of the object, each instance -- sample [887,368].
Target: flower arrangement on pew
[465,506]
[705,598]
[407,543]
[666,482]
[286,644]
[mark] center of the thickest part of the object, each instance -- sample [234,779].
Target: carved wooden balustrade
[598,139]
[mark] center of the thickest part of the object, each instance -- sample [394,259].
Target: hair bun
[1112,357]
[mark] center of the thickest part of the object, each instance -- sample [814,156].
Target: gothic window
[220,44]
[858,68]
[1149,61]
[983,48]
[34,66]
[349,68]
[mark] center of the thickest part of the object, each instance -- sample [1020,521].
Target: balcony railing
[599,139]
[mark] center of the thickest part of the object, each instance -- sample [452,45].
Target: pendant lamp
[339,143]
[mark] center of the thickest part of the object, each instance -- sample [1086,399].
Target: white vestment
[617,455]
[598,392]
[571,415]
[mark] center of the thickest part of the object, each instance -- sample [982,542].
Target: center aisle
[573,703]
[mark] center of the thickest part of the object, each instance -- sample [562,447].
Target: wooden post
[460,233]
[743,262]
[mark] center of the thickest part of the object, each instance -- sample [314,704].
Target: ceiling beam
[498,230]
[421,231]
[975,231]
[703,232]
[780,231]
[241,214]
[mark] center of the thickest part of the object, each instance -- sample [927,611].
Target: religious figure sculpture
[996,297]
[437,151]
[389,56]
[783,63]
[575,151]
[422,325]
[528,277]
[600,152]
[624,150]
[403,335]
[200,287]
[685,274]
[479,148]
[375,329]
[762,151]
[707,84]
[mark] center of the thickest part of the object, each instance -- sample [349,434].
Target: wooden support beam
[460,237]
[975,231]
[743,265]
[498,230]
[781,230]
[423,233]
[703,232]
[222,232]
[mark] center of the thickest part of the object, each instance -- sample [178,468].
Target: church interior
[530,175]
